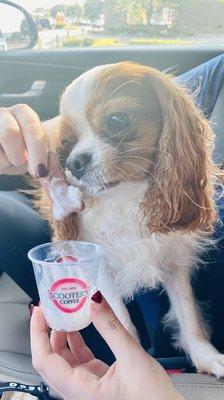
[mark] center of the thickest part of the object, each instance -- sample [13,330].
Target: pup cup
[67,276]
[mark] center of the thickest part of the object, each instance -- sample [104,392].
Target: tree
[115,19]
[133,6]
[58,8]
[74,12]
[135,10]
[138,11]
[120,13]
[42,11]
[93,9]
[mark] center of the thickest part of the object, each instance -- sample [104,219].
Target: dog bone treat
[66,199]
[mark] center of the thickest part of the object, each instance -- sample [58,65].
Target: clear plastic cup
[67,276]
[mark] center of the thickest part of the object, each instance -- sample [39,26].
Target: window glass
[109,23]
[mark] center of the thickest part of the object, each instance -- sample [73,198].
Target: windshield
[111,23]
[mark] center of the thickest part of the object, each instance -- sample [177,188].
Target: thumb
[110,328]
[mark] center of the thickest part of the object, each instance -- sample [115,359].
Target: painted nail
[41,171]
[97,297]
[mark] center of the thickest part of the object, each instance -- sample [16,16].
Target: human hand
[22,142]
[75,373]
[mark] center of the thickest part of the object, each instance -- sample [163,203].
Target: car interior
[37,78]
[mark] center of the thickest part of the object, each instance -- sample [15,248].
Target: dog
[132,140]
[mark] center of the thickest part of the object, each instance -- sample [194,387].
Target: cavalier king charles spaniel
[132,140]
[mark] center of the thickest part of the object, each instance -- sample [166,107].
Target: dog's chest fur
[137,258]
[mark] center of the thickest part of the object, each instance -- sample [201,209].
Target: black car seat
[15,358]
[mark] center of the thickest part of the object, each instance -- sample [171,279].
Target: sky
[31,4]
[10,18]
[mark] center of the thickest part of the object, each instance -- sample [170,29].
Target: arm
[205,82]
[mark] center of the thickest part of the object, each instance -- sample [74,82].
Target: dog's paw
[213,365]
[208,360]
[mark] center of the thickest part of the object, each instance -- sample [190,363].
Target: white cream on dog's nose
[65,199]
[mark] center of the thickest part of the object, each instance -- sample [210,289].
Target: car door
[37,77]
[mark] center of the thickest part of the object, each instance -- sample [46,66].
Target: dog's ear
[181,193]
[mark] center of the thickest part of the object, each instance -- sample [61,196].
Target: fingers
[67,381]
[54,369]
[22,140]
[97,367]
[78,347]
[34,138]
[59,345]
[4,161]
[11,170]
[79,353]
[120,342]
[11,139]
[13,156]
[40,342]
[7,168]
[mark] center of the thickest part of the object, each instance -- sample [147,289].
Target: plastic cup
[67,276]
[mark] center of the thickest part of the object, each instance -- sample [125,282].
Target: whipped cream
[65,199]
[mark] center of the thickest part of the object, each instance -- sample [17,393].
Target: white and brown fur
[155,223]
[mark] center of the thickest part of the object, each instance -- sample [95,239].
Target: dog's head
[128,122]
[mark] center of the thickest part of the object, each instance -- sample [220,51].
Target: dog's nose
[77,164]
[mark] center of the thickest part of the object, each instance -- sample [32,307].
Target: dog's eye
[118,122]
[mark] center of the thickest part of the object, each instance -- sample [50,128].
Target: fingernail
[41,171]
[97,297]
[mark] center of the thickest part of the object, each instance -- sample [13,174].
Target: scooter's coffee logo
[69,294]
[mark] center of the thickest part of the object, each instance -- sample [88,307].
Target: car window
[111,23]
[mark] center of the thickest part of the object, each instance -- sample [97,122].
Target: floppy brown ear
[181,194]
